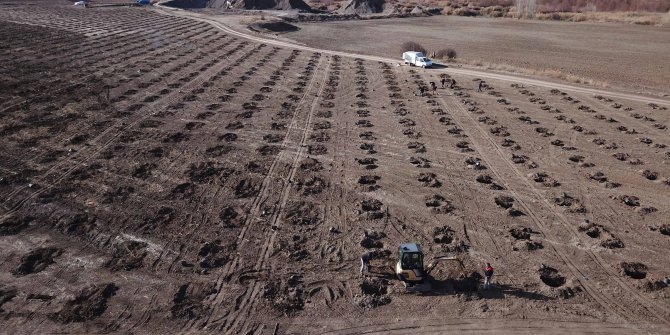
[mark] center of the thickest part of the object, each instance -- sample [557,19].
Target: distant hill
[579,5]
[363,7]
[241,4]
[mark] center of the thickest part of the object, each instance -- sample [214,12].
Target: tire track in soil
[609,110]
[334,214]
[253,218]
[93,140]
[17,102]
[58,166]
[497,156]
[603,204]
[112,234]
[475,220]
[411,231]
[207,213]
[120,127]
[485,325]
[610,213]
[486,158]
[276,220]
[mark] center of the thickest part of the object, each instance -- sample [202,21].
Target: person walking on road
[433,86]
[452,83]
[365,262]
[488,273]
[443,81]
[479,86]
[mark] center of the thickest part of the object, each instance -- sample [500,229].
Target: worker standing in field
[443,81]
[452,83]
[479,85]
[488,273]
[365,262]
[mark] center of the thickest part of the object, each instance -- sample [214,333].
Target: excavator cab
[409,268]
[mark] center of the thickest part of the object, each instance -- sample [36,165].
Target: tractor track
[112,133]
[613,307]
[276,220]
[254,216]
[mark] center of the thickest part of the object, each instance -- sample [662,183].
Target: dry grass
[413,46]
[550,73]
[447,53]
[654,19]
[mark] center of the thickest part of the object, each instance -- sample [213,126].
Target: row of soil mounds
[240,4]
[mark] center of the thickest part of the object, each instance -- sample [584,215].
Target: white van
[416,58]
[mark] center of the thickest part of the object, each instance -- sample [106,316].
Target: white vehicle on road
[416,58]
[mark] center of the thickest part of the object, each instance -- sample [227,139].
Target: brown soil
[513,45]
[151,184]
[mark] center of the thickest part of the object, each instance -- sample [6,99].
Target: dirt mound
[504,201]
[370,180]
[286,296]
[210,255]
[364,7]
[302,213]
[6,294]
[374,286]
[13,226]
[372,239]
[521,233]
[372,209]
[188,301]
[273,27]
[439,204]
[310,164]
[634,270]
[429,179]
[127,256]
[90,303]
[467,282]
[312,185]
[36,260]
[443,234]
[591,229]
[373,301]
[656,284]
[612,243]
[374,292]
[551,276]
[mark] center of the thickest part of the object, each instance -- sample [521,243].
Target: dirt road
[219,22]
[154,185]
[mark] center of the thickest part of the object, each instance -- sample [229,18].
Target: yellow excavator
[410,269]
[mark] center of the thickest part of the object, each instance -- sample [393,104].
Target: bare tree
[526,8]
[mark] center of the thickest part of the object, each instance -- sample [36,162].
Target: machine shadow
[472,285]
